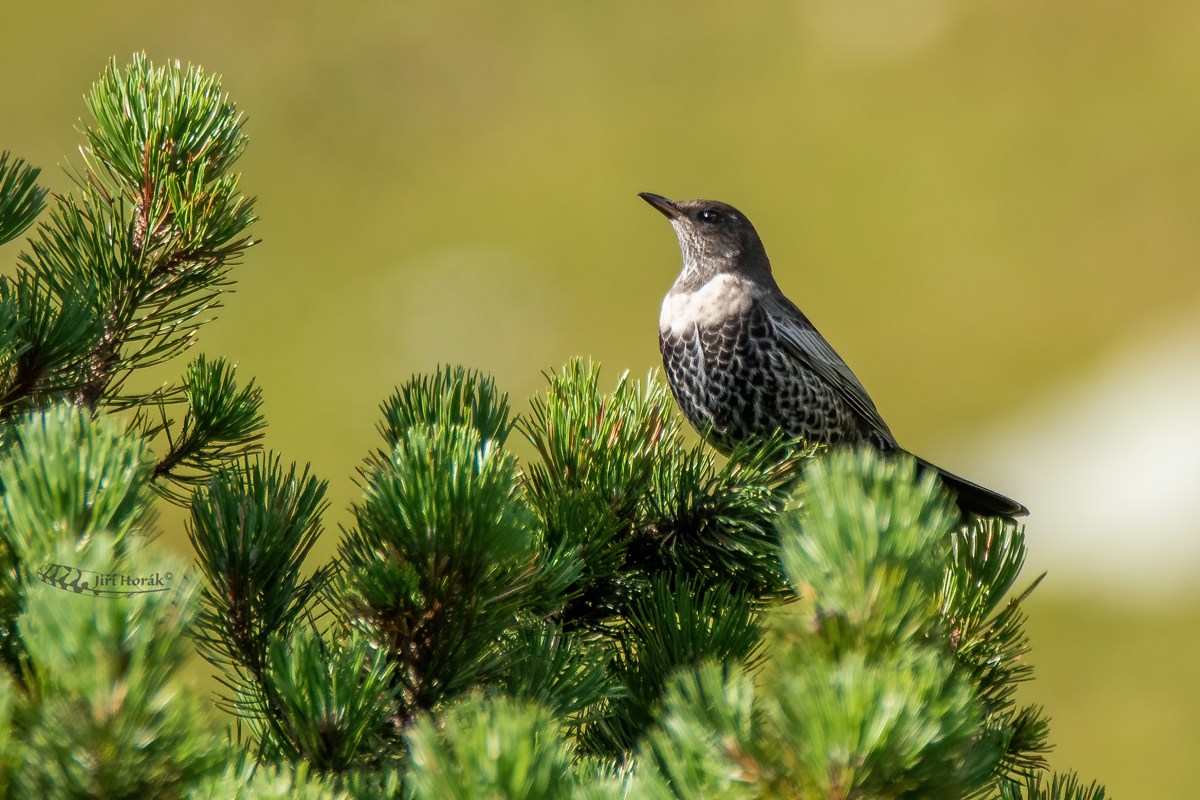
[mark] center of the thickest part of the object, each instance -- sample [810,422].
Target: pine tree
[626,616]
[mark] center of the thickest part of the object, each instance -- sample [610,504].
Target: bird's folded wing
[805,344]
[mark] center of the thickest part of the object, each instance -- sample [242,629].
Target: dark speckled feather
[742,360]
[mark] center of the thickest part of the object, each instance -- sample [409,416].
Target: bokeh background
[990,207]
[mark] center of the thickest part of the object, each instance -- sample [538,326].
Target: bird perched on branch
[742,360]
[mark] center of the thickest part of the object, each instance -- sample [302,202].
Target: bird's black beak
[664,205]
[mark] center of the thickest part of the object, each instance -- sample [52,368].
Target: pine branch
[252,525]
[67,478]
[1061,786]
[70,477]
[598,454]
[105,715]
[21,199]
[250,781]
[697,751]
[859,700]
[451,396]
[991,645]
[677,624]
[870,552]
[616,485]
[48,340]
[334,702]
[157,222]
[221,425]
[441,560]
[718,522]
[561,672]
[487,748]
[593,443]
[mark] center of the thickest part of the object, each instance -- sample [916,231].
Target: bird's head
[714,237]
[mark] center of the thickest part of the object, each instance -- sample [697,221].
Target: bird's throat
[685,309]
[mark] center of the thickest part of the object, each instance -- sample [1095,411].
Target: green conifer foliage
[442,560]
[95,625]
[252,527]
[21,199]
[625,616]
[126,268]
[104,716]
[858,702]
[462,759]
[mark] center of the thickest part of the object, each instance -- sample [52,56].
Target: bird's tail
[974,499]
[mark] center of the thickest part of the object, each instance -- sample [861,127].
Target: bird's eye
[709,215]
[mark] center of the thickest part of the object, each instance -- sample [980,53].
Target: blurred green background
[975,200]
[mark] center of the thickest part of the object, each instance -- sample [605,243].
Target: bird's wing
[805,344]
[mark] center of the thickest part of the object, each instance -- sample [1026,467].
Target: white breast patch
[723,296]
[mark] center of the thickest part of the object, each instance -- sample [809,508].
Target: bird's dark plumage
[742,360]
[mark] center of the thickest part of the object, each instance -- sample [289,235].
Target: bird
[743,361]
